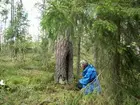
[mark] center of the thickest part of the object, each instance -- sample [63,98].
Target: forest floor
[29,85]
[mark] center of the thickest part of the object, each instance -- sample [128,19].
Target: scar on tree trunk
[64,62]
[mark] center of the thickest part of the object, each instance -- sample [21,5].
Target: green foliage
[109,25]
[109,29]
[9,33]
[16,33]
[18,28]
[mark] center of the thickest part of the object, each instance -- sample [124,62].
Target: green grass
[29,84]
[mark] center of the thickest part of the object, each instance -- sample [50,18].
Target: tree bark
[78,56]
[117,68]
[12,12]
[64,62]
[96,55]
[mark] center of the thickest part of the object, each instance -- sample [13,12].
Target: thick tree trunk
[64,62]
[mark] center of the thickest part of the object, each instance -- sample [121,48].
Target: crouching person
[89,81]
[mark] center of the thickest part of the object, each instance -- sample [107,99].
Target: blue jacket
[90,78]
[89,74]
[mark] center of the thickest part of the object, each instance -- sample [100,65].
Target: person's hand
[81,75]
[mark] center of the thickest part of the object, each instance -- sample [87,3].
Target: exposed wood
[64,61]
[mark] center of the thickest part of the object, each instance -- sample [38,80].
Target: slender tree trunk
[44,2]
[96,55]
[12,22]
[21,3]
[117,68]
[12,11]
[0,38]
[80,32]
[78,56]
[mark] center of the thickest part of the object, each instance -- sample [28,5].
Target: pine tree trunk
[64,62]
[78,56]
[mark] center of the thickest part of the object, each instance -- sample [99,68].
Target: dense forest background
[106,33]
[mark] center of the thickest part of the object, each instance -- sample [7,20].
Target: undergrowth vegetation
[28,84]
[106,33]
